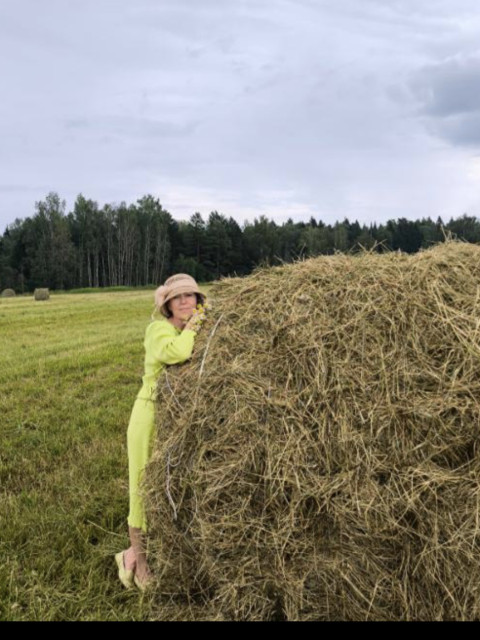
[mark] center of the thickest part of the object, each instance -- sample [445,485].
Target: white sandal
[126,575]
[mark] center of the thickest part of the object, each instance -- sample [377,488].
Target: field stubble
[70,369]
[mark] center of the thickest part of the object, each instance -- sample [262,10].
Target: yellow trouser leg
[139,443]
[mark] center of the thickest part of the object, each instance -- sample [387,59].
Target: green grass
[148,287]
[70,368]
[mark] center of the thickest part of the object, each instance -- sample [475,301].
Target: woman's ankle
[142,571]
[129,559]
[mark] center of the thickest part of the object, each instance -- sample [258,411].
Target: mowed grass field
[70,368]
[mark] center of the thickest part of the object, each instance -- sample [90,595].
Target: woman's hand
[195,321]
[198,317]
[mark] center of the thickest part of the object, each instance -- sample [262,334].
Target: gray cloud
[339,107]
[448,94]
[461,129]
[449,88]
[20,188]
[131,127]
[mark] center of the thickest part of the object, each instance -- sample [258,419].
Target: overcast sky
[289,108]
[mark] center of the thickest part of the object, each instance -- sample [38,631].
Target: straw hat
[174,286]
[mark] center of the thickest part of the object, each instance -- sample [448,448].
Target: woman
[168,340]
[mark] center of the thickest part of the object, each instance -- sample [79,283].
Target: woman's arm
[166,345]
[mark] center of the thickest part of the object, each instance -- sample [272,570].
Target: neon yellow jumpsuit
[164,345]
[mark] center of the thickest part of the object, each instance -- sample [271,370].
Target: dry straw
[8,293]
[325,464]
[41,294]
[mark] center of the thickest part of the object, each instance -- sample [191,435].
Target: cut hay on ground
[325,464]
[41,294]
[8,293]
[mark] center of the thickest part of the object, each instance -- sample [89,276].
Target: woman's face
[182,307]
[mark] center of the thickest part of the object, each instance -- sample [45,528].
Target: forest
[141,244]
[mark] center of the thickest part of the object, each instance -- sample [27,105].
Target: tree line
[141,244]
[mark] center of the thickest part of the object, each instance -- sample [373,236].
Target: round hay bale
[318,458]
[8,293]
[41,294]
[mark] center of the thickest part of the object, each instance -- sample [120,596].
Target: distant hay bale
[8,293]
[326,463]
[41,294]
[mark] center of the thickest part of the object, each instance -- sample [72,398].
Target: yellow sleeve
[167,345]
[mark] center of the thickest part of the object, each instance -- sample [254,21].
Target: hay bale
[41,294]
[8,293]
[325,464]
